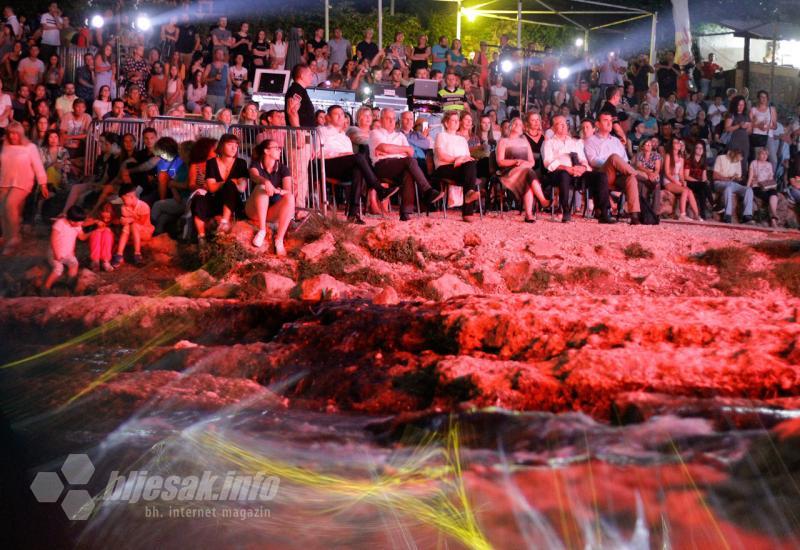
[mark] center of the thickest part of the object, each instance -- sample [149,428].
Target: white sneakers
[258,240]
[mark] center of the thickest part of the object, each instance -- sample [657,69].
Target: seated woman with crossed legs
[453,161]
[515,158]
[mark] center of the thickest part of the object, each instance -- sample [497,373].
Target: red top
[709,69]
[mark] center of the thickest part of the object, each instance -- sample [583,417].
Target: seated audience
[272,198]
[393,160]
[344,165]
[452,160]
[606,153]
[564,158]
[225,178]
[761,179]
[136,226]
[728,180]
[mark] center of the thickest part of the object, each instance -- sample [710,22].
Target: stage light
[367,90]
[563,73]
[579,42]
[143,23]
[97,21]
[506,66]
[469,13]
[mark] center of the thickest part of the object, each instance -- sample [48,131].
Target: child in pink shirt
[101,240]
[136,226]
[63,238]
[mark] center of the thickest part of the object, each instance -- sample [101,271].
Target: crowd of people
[513,129]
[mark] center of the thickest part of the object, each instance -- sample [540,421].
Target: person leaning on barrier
[565,159]
[393,159]
[606,153]
[341,163]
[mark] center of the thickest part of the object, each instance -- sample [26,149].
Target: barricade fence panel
[302,154]
[71,59]
[302,148]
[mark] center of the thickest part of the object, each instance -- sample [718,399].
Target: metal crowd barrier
[302,148]
[180,129]
[71,59]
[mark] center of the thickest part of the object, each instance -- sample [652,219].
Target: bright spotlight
[367,90]
[470,14]
[506,66]
[143,23]
[563,73]
[97,21]
[579,42]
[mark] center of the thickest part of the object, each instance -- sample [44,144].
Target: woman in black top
[260,51]
[242,43]
[226,178]
[420,55]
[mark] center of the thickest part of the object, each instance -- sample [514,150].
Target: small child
[135,221]
[101,240]
[63,238]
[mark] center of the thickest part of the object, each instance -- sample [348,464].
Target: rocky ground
[414,321]
[438,314]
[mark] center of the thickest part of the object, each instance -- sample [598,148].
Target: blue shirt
[441,52]
[171,167]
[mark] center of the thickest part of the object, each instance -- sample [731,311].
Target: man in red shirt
[708,70]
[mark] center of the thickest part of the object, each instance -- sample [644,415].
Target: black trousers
[407,173]
[464,175]
[704,195]
[596,182]
[209,205]
[563,180]
[356,169]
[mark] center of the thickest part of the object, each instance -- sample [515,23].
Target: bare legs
[130,231]
[259,210]
[12,200]
[685,196]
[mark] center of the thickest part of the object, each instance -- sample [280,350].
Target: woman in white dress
[277,51]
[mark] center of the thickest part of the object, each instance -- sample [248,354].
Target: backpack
[647,215]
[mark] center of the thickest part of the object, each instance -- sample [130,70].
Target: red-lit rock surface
[602,323]
[543,317]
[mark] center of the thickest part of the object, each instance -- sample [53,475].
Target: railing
[180,129]
[302,148]
[71,59]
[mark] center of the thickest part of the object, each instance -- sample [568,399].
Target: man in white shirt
[605,153]
[51,30]
[716,111]
[343,165]
[11,20]
[564,158]
[393,159]
[728,180]
[64,102]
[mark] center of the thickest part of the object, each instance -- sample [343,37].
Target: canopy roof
[586,15]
